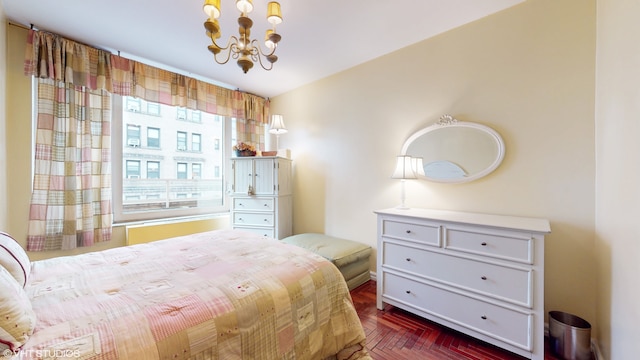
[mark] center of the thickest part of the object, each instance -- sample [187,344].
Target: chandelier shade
[245,50]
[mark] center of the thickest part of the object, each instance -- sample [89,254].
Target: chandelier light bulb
[212,8]
[244,6]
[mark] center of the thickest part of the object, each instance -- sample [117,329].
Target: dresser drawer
[500,323]
[510,284]
[498,244]
[248,219]
[266,232]
[427,234]
[259,204]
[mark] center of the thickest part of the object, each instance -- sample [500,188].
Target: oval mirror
[455,151]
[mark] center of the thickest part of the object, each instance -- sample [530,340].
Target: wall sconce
[403,171]
[277,128]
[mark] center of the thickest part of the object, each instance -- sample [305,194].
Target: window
[216,144]
[153,137]
[165,180]
[133,169]
[195,142]
[153,170]
[190,115]
[182,141]
[182,171]
[133,135]
[141,106]
[196,170]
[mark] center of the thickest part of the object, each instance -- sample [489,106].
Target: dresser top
[500,221]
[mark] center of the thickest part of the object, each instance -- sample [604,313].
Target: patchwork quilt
[223,294]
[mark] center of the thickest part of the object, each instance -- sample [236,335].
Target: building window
[216,171]
[195,142]
[133,135]
[196,170]
[182,141]
[153,137]
[216,144]
[181,171]
[141,106]
[133,169]
[185,114]
[153,170]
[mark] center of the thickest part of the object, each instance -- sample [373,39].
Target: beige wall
[3,117]
[527,72]
[618,175]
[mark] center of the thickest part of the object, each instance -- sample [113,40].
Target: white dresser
[261,195]
[480,274]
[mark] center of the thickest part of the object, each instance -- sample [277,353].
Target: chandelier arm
[257,53]
[231,44]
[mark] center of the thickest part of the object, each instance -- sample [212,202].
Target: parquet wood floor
[394,334]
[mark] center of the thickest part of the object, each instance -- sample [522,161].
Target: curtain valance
[54,57]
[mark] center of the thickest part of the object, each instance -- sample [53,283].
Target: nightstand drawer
[249,219]
[426,234]
[259,204]
[508,283]
[266,232]
[500,323]
[498,244]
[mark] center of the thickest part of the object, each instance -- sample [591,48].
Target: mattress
[224,294]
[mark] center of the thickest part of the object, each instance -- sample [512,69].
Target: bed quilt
[224,294]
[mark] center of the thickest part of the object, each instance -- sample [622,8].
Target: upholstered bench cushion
[350,257]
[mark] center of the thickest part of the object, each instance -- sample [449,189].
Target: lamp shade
[404,169]
[277,125]
[244,6]
[274,15]
[212,8]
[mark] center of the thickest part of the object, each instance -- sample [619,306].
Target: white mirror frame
[449,121]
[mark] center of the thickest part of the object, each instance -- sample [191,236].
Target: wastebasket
[570,336]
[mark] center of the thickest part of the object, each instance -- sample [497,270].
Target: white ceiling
[319,38]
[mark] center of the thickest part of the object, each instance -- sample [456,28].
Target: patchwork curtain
[51,56]
[71,199]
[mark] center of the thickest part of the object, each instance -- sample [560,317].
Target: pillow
[14,258]
[17,319]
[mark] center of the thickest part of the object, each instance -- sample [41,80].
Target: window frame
[117,168]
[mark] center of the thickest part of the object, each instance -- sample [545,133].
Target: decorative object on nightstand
[404,171]
[242,149]
[261,196]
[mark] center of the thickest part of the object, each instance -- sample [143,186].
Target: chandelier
[243,48]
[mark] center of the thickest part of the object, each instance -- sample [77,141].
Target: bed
[224,294]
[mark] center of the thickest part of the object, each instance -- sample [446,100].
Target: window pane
[195,142]
[180,178]
[153,137]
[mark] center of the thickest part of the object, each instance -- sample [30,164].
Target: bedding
[224,294]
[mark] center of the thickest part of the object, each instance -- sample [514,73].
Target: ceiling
[319,38]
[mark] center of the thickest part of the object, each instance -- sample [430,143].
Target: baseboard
[374,276]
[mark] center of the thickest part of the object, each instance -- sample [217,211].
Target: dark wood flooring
[394,334]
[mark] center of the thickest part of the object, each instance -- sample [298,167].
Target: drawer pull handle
[266,220]
[408,259]
[484,244]
[408,231]
[240,204]
[484,278]
[483,317]
[408,291]
[240,219]
[265,205]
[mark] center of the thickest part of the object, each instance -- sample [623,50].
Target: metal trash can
[570,336]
